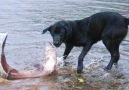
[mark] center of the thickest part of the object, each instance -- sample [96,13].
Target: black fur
[110,27]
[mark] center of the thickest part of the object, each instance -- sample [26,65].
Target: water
[24,21]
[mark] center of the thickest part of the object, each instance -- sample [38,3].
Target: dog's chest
[77,40]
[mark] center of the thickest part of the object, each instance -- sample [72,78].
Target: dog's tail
[127,21]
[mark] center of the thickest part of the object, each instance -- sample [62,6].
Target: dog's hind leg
[113,48]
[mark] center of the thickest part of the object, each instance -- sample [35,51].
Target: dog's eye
[57,31]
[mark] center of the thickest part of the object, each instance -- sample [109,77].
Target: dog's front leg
[68,48]
[81,57]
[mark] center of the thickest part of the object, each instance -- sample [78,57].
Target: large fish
[48,67]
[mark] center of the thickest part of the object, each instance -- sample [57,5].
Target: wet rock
[115,84]
[3,81]
[96,85]
[106,75]
[119,76]
[97,73]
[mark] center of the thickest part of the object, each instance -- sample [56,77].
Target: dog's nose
[56,44]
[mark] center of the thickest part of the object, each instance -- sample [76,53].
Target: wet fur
[110,27]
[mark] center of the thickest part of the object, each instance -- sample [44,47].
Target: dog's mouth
[57,44]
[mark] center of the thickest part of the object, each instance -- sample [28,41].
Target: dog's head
[59,31]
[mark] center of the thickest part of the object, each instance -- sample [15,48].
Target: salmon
[46,68]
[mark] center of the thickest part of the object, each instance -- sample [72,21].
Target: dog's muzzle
[57,44]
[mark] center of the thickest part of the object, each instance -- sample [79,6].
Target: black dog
[110,27]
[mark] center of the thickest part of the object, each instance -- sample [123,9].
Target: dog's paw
[79,69]
[116,65]
[107,69]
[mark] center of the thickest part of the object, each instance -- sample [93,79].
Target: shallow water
[24,21]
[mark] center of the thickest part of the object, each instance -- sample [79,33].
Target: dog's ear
[68,28]
[47,29]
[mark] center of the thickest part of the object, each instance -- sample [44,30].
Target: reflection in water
[24,21]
